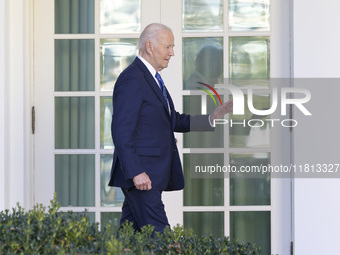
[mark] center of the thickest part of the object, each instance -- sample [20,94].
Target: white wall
[13,113]
[316,203]
[2,105]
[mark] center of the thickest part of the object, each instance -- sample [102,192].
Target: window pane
[202,61]
[106,112]
[204,223]
[109,196]
[74,180]
[245,15]
[74,16]
[213,192]
[249,57]
[200,15]
[119,16]
[74,65]
[249,188]
[74,123]
[110,217]
[250,130]
[253,227]
[215,139]
[115,56]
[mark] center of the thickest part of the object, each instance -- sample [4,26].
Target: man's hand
[142,181]
[220,111]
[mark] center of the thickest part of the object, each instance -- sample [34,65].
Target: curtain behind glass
[74,123]
[74,16]
[74,180]
[74,65]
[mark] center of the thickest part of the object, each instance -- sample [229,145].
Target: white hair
[150,34]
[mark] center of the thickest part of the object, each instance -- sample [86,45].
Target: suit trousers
[143,208]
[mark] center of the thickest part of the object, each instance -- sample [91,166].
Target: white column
[13,113]
[316,55]
[2,106]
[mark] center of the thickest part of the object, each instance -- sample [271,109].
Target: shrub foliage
[41,231]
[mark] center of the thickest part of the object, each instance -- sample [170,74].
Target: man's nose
[172,52]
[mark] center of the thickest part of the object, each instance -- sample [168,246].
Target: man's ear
[149,47]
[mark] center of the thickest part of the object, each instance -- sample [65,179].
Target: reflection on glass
[112,218]
[205,223]
[202,15]
[119,16]
[106,112]
[245,15]
[74,17]
[109,196]
[249,58]
[115,56]
[212,193]
[74,65]
[251,130]
[214,139]
[74,123]
[74,180]
[250,188]
[202,61]
[253,227]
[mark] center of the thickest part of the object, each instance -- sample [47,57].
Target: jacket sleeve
[186,123]
[127,100]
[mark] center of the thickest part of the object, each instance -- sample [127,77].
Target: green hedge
[54,232]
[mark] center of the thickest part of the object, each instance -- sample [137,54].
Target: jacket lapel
[152,83]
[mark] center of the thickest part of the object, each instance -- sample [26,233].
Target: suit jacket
[143,131]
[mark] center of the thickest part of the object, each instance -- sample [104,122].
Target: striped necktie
[161,84]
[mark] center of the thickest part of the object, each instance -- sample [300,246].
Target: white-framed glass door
[79,49]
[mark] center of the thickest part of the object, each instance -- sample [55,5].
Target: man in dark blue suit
[146,161]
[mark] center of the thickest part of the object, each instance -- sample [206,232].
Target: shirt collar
[148,66]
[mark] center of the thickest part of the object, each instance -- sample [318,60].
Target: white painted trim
[2,105]
[29,102]
[12,96]
[16,103]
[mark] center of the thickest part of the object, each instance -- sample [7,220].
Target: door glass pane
[204,223]
[74,123]
[213,192]
[74,16]
[119,16]
[249,58]
[214,139]
[202,15]
[251,187]
[115,56]
[112,218]
[106,112]
[245,15]
[202,61]
[74,180]
[250,130]
[253,227]
[109,196]
[74,65]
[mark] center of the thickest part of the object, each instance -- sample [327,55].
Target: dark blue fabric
[143,131]
[143,208]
